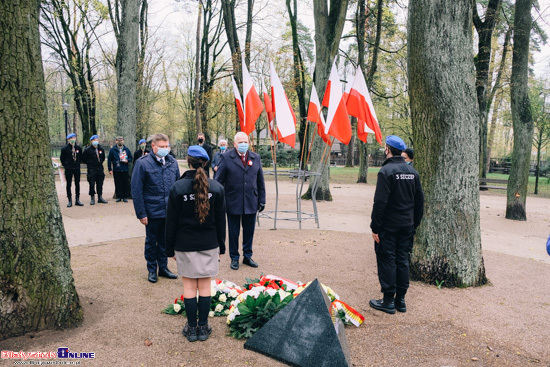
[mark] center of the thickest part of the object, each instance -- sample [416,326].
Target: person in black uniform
[195,234]
[94,156]
[208,148]
[141,151]
[71,156]
[396,213]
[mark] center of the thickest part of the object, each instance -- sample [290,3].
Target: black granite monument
[303,334]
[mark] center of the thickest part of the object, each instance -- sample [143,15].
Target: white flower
[223,298]
[213,291]
[271,291]
[233,293]
[177,307]
[223,288]
[283,294]
[226,312]
[211,314]
[219,307]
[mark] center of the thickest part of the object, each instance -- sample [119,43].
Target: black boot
[92,202]
[386,304]
[101,200]
[70,203]
[400,301]
[77,202]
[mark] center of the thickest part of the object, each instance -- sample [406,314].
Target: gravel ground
[505,323]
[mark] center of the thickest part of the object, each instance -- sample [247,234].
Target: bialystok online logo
[62,353]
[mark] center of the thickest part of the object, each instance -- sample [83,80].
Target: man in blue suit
[240,172]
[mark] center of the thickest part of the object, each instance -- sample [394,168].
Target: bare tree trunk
[37,289]
[198,73]
[492,130]
[228,9]
[445,123]
[328,31]
[521,113]
[126,68]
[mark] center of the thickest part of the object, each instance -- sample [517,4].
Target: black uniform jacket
[90,157]
[67,159]
[184,232]
[399,199]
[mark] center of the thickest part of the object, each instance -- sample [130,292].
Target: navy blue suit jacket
[244,184]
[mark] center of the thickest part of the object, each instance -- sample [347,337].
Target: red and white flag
[286,119]
[338,124]
[359,104]
[252,103]
[314,115]
[238,102]
[269,111]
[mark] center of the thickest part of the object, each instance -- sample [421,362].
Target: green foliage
[255,313]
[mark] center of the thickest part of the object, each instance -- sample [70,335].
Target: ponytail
[200,187]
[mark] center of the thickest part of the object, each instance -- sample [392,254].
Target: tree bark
[228,10]
[126,68]
[198,73]
[482,61]
[445,123]
[328,31]
[37,289]
[522,118]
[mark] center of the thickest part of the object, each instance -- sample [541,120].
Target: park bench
[484,183]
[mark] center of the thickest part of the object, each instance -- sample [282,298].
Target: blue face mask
[409,162]
[163,152]
[222,148]
[242,147]
[95,143]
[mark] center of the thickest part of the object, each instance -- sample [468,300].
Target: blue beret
[197,152]
[396,142]
[71,135]
[94,137]
[548,246]
[142,141]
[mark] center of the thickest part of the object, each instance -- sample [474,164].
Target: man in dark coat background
[94,156]
[71,156]
[153,176]
[240,172]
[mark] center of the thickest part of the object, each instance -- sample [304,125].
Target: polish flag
[314,115]
[338,124]
[286,119]
[239,102]
[252,103]
[360,105]
[269,110]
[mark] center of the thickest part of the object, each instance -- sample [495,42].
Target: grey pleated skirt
[198,264]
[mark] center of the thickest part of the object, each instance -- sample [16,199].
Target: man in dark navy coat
[240,172]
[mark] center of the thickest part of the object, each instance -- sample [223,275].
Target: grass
[347,175]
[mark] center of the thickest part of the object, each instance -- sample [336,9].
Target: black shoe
[125,200]
[167,274]
[152,277]
[70,203]
[118,200]
[235,264]
[249,262]
[92,202]
[204,332]
[400,305]
[78,203]
[101,200]
[381,305]
[190,332]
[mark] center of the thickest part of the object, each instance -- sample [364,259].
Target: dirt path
[505,323]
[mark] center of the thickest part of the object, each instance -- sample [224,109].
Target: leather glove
[261,207]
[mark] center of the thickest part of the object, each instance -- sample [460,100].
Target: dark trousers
[392,259]
[95,179]
[122,184]
[69,174]
[155,245]
[234,229]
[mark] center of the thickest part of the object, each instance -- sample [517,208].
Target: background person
[118,165]
[408,155]
[396,213]
[202,143]
[216,160]
[141,150]
[240,172]
[71,156]
[195,233]
[153,176]
[94,156]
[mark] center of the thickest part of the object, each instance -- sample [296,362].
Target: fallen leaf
[475,359]
[491,349]
[148,343]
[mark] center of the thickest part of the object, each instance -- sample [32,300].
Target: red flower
[250,163]
[182,297]
[176,301]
